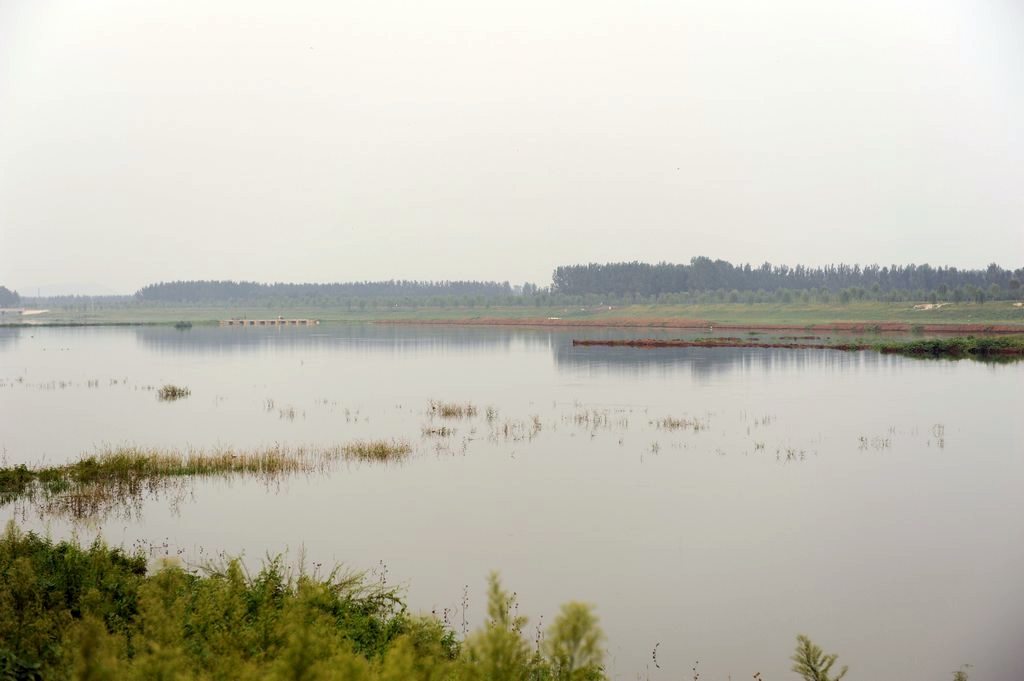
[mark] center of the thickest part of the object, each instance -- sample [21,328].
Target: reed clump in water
[443,431]
[129,462]
[98,483]
[170,392]
[452,410]
[673,423]
[377,450]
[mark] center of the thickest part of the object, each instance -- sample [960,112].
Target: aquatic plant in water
[118,477]
[169,393]
[452,410]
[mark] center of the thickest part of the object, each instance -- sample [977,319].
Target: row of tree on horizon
[705,274]
[619,281]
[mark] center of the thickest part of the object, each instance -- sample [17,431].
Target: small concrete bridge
[280,321]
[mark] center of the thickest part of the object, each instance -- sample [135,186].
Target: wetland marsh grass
[976,347]
[673,423]
[381,451]
[452,410]
[441,431]
[170,392]
[98,483]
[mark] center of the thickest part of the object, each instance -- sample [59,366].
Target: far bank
[859,317]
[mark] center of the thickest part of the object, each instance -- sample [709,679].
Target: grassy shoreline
[719,314]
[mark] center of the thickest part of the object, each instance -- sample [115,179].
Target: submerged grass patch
[100,482]
[452,410]
[169,392]
[377,450]
[673,423]
[443,431]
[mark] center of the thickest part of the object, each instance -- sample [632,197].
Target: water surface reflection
[822,492]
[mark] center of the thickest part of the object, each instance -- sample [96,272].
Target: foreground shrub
[97,613]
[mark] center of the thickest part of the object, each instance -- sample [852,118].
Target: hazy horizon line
[98,290]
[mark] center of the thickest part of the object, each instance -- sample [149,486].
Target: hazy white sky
[325,141]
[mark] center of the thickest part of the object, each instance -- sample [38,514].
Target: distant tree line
[702,281]
[644,280]
[9,298]
[254,292]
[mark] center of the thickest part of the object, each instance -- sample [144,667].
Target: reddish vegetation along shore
[680,323]
[980,347]
[721,342]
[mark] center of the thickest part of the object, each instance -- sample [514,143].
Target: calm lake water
[873,502]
